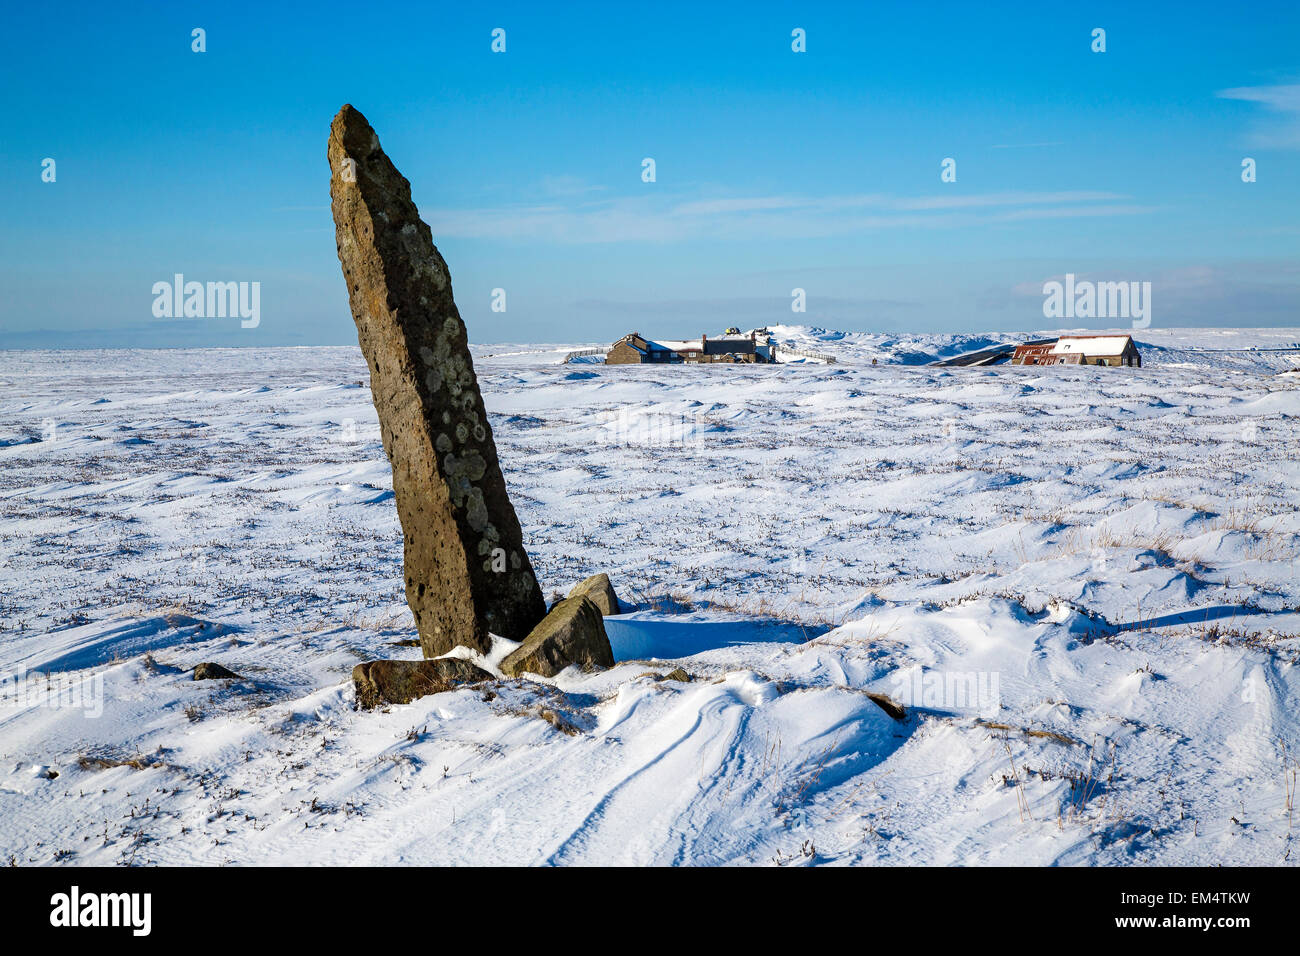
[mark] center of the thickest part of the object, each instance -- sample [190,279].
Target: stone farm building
[1079,350]
[636,349]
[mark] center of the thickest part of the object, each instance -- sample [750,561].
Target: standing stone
[466,570]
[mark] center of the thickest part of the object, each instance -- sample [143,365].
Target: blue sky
[775,170]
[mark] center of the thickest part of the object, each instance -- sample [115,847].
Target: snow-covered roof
[694,345]
[1091,345]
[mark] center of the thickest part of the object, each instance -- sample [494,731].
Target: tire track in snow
[618,827]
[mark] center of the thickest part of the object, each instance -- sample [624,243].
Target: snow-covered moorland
[1082,583]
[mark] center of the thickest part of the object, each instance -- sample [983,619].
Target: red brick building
[1080,350]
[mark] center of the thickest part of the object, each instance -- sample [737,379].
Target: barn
[1080,350]
[636,349]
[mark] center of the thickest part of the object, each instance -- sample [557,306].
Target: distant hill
[1230,348]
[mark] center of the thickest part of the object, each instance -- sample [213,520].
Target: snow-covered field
[1083,583]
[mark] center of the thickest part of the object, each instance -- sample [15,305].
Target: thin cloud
[657,217]
[711,207]
[1241,293]
[1285,97]
[1282,129]
[1073,212]
[740,306]
[567,186]
[1007,199]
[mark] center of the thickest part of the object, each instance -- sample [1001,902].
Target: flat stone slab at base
[600,592]
[573,633]
[400,682]
[677,674]
[210,670]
